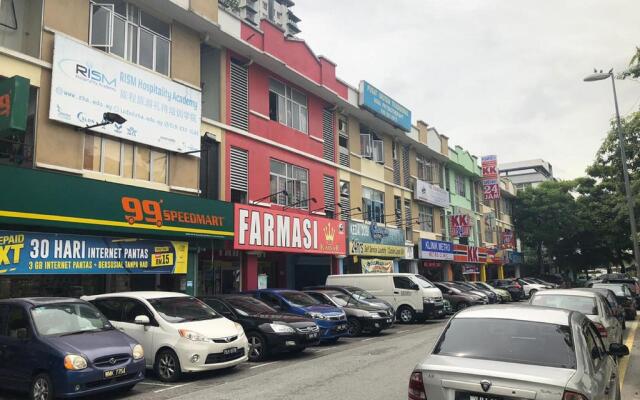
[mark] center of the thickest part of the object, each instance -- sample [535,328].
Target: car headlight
[75,362]
[281,328]
[373,315]
[428,300]
[240,330]
[138,352]
[193,336]
[316,315]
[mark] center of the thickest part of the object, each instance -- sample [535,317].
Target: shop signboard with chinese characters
[469,254]
[375,265]
[460,225]
[383,106]
[87,82]
[431,194]
[375,240]
[14,104]
[30,253]
[265,229]
[436,250]
[46,199]
[490,178]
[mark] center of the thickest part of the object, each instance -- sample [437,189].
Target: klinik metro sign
[265,229]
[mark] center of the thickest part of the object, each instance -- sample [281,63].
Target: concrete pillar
[414,267]
[500,271]
[396,265]
[483,272]
[447,276]
[250,271]
[517,271]
[337,267]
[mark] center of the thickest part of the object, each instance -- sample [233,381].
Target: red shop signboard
[265,229]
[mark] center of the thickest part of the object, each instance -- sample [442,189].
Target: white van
[412,296]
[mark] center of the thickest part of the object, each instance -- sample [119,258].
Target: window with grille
[329,186]
[125,30]
[397,202]
[405,166]
[372,205]
[328,135]
[408,219]
[425,214]
[345,203]
[461,189]
[239,180]
[239,96]
[294,180]
[288,106]
[343,142]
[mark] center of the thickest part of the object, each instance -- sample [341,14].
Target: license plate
[313,335]
[476,396]
[229,351]
[115,372]
[341,327]
[389,321]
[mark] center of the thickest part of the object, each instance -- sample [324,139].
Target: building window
[287,106]
[447,182]
[343,142]
[425,214]
[408,217]
[113,156]
[21,26]
[371,146]
[443,225]
[372,205]
[479,232]
[120,28]
[238,171]
[345,203]
[394,150]
[294,180]
[397,202]
[461,189]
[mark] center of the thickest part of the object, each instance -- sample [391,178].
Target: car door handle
[394,292]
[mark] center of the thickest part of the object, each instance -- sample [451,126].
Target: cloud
[496,76]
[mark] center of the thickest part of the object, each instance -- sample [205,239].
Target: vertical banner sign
[508,239]
[490,178]
[460,225]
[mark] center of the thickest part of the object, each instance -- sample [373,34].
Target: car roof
[568,292]
[40,301]
[328,290]
[557,316]
[149,295]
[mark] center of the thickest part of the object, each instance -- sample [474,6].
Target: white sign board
[86,83]
[431,194]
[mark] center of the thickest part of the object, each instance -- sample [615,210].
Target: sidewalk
[630,366]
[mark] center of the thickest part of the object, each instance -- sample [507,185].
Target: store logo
[86,73]
[485,384]
[329,233]
[151,211]
[378,232]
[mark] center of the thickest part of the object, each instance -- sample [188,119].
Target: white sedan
[518,351]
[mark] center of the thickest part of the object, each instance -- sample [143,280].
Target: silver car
[518,351]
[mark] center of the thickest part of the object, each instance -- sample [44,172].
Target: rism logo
[86,73]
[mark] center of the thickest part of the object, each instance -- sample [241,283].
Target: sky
[496,76]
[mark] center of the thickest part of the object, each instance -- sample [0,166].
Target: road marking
[171,388]
[371,338]
[324,349]
[624,364]
[406,330]
[264,365]
[155,384]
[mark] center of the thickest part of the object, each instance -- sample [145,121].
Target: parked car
[631,283]
[63,347]
[493,298]
[549,285]
[530,288]
[514,288]
[593,305]
[360,316]
[358,294]
[518,351]
[484,298]
[616,307]
[503,295]
[413,296]
[179,333]
[458,299]
[624,296]
[554,278]
[268,331]
[331,320]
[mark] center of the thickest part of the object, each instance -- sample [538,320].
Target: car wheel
[406,315]
[257,346]
[354,327]
[41,387]
[167,366]
[461,306]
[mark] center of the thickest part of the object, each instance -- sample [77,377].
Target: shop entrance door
[218,277]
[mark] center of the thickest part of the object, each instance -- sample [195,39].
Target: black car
[458,299]
[358,294]
[511,286]
[616,306]
[493,298]
[268,331]
[624,296]
[361,317]
[466,289]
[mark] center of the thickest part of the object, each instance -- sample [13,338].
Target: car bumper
[211,356]
[281,343]
[92,380]
[375,324]
[332,329]
[432,310]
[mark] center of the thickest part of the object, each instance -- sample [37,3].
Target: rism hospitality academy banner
[28,253]
[490,178]
[263,229]
[86,83]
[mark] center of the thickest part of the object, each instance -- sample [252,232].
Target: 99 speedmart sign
[264,229]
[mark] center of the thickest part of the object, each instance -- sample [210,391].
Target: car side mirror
[618,350]
[142,320]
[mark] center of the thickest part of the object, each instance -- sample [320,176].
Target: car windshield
[509,341]
[65,319]
[341,299]
[299,299]
[583,304]
[619,290]
[250,306]
[424,282]
[183,309]
[360,294]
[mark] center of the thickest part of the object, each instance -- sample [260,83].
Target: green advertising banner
[41,198]
[14,104]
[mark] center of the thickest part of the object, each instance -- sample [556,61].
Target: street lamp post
[623,159]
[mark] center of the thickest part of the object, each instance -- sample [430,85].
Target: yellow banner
[374,249]
[182,253]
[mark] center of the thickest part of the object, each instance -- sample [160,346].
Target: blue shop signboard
[29,253]
[436,250]
[375,101]
[375,240]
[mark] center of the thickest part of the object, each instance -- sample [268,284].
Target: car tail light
[601,329]
[517,285]
[416,387]
[568,395]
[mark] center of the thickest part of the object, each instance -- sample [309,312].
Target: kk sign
[29,253]
[490,178]
[373,100]
[14,102]
[262,229]
[471,254]
[460,225]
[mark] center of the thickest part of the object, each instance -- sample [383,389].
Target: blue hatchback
[331,320]
[62,347]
